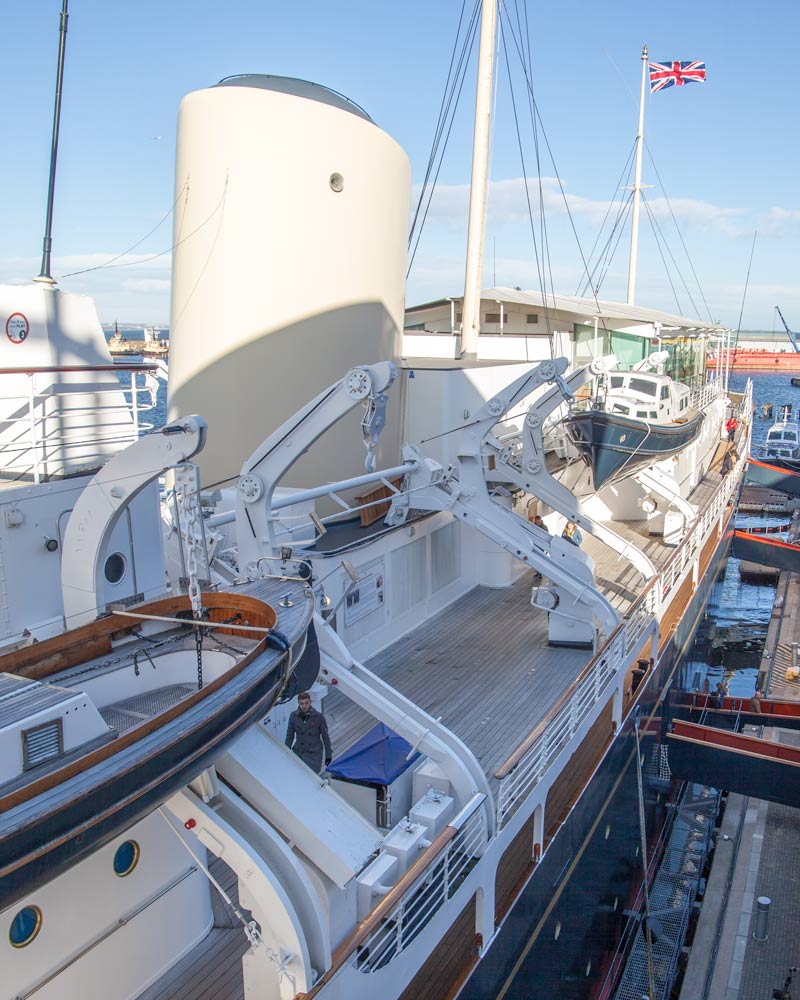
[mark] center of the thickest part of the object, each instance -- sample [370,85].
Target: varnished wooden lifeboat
[100,725]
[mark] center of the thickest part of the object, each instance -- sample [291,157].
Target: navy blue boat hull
[615,447]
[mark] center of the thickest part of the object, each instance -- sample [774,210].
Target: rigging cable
[524,175]
[744,296]
[624,176]
[656,227]
[660,249]
[439,125]
[537,115]
[461,68]
[677,228]
[108,263]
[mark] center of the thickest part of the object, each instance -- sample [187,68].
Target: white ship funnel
[291,224]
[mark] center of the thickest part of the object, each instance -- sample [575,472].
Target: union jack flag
[672,74]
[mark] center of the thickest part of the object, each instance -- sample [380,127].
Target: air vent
[42,743]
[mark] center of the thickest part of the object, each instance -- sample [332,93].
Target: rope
[108,263]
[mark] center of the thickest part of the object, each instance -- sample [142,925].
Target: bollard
[763,904]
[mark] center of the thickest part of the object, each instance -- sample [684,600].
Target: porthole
[557,931]
[115,567]
[25,926]
[608,831]
[126,858]
[588,968]
[616,903]
[337,183]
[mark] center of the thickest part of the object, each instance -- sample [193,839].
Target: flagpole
[637,188]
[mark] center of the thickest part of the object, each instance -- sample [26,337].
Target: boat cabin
[782,440]
[646,397]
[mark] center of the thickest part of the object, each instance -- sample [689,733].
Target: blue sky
[726,150]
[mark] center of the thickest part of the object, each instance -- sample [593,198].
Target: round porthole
[25,926]
[126,858]
[115,567]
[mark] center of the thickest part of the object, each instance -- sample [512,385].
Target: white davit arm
[101,504]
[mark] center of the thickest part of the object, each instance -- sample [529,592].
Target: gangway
[774,552]
[774,476]
[732,712]
[748,765]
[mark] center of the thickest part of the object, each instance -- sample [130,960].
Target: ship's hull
[560,937]
[615,447]
[755,360]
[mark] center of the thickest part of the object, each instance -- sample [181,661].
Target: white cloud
[779,223]
[508,203]
[147,285]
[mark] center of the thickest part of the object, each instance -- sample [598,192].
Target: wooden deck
[483,665]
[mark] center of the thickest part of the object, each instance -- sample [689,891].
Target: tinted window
[616,381]
[665,392]
[643,385]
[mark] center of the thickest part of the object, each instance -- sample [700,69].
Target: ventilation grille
[42,743]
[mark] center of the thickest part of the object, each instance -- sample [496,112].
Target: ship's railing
[428,893]
[409,906]
[702,395]
[50,429]
[525,768]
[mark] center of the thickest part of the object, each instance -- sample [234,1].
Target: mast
[637,189]
[47,242]
[470,325]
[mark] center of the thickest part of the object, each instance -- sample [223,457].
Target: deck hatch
[42,743]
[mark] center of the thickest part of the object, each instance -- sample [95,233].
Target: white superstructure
[298,204]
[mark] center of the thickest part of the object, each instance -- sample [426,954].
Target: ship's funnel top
[297,88]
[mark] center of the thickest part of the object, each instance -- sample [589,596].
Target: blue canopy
[376,759]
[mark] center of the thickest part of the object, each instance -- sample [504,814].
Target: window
[495,317]
[643,385]
[532,318]
[25,926]
[641,413]
[617,381]
[683,403]
[126,858]
[789,436]
[619,408]
[665,392]
[115,567]
[653,415]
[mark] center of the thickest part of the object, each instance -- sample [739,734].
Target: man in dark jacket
[307,734]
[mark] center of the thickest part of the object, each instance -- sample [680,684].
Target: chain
[187,491]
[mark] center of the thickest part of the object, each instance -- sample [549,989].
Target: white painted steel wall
[286,282]
[43,327]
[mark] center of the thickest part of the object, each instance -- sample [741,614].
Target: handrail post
[134,405]
[32,417]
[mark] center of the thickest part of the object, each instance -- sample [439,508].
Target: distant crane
[792,337]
